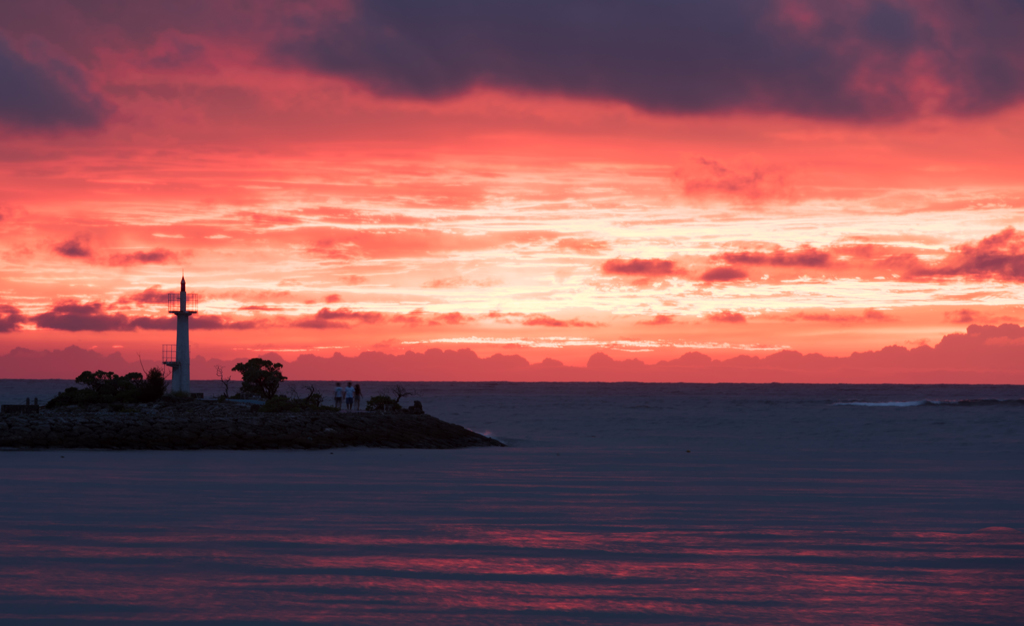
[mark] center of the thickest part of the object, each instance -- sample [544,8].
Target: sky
[547,180]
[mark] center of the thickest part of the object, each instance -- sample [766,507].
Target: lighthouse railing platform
[174,302]
[169,354]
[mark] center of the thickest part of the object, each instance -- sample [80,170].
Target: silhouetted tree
[400,392]
[107,387]
[260,377]
[224,381]
[314,398]
[382,404]
[155,385]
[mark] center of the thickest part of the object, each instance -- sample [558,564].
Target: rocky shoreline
[199,425]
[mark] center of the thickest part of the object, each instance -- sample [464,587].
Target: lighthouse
[182,305]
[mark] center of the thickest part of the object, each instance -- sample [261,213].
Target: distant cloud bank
[982,354]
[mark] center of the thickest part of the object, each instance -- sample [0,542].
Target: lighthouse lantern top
[176,305]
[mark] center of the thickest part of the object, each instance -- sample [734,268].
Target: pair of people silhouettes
[352,395]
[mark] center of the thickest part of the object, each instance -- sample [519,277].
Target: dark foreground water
[629,503]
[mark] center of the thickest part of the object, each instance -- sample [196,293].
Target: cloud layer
[47,92]
[544,179]
[866,61]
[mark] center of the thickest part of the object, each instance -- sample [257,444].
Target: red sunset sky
[543,179]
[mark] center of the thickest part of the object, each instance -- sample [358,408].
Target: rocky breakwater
[201,424]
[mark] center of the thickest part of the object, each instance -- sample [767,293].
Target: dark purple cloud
[153,295]
[11,318]
[213,322]
[93,316]
[46,92]
[722,274]
[340,318]
[999,256]
[158,323]
[804,256]
[135,258]
[198,322]
[76,317]
[879,60]
[73,248]
[639,267]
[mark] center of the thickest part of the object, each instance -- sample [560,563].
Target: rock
[220,425]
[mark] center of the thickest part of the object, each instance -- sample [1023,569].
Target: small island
[132,413]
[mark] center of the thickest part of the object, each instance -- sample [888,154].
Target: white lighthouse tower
[176,355]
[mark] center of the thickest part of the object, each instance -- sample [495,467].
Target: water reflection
[282,537]
[793,513]
[712,575]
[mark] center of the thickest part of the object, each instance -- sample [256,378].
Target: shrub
[383,404]
[109,388]
[154,386]
[314,398]
[110,384]
[260,377]
[74,396]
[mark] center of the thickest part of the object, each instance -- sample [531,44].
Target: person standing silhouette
[350,396]
[338,394]
[359,396]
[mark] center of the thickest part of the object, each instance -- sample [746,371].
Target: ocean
[618,503]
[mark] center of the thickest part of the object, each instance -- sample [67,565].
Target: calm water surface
[777,504]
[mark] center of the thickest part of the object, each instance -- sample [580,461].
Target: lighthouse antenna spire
[182,305]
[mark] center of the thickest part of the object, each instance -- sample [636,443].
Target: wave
[906,403]
[909,403]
